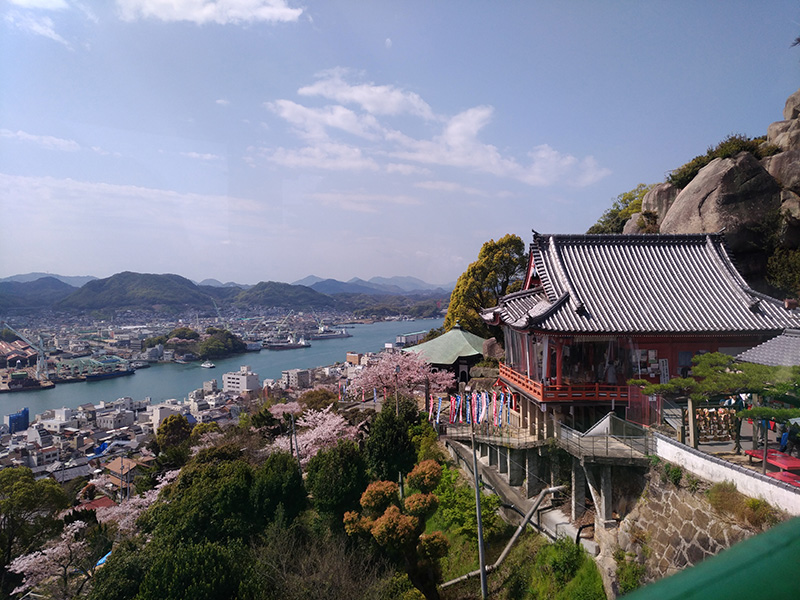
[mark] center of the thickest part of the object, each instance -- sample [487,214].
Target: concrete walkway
[549,520]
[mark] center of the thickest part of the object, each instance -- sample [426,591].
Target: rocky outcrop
[659,200]
[734,195]
[755,203]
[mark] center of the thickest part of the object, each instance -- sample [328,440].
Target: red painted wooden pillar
[559,358]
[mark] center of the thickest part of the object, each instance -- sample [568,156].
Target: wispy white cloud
[201,156]
[223,102]
[312,123]
[406,169]
[375,99]
[35,24]
[457,145]
[450,187]
[41,4]
[362,202]
[222,12]
[45,141]
[323,155]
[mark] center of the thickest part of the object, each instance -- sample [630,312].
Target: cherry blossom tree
[404,372]
[125,514]
[62,568]
[316,430]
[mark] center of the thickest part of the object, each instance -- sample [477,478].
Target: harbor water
[173,380]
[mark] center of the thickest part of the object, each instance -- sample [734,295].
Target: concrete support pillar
[549,426]
[483,450]
[535,482]
[502,459]
[599,479]
[516,466]
[492,456]
[578,504]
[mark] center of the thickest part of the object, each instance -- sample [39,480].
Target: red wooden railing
[597,392]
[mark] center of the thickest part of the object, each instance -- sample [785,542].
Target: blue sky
[255,140]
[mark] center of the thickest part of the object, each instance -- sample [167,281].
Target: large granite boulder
[659,200]
[784,134]
[633,225]
[792,108]
[785,168]
[736,195]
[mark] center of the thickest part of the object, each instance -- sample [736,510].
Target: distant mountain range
[74,281]
[146,291]
[376,285]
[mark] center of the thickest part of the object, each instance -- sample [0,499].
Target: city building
[18,421]
[296,378]
[240,381]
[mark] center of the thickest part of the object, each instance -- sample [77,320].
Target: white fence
[748,482]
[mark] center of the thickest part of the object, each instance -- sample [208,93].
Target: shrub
[378,496]
[759,512]
[725,498]
[730,146]
[425,476]
[629,575]
[421,505]
[672,473]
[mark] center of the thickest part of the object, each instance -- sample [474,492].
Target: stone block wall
[671,528]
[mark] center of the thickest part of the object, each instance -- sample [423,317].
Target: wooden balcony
[584,392]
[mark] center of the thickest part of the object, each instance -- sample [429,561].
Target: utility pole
[481,557]
[296,447]
[396,385]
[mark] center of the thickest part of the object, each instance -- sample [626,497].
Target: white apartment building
[297,378]
[240,381]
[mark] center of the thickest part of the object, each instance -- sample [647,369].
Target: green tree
[200,571]
[336,478]
[318,399]
[201,429]
[716,376]
[498,271]
[28,516]
[783,271]
[625,205]
[173,431]
[389,449]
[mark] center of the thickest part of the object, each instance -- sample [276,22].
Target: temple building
[598,310]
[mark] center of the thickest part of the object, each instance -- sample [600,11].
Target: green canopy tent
[456,350]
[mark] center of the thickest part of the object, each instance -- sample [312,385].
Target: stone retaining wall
[671,528]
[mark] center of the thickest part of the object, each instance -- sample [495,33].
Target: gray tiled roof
[781,351]
[639,284]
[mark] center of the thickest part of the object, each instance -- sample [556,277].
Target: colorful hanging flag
[500,410]
[494,408]
[439,410]
[375,395]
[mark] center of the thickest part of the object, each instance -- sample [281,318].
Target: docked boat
[208,365]
[140,364]
[323,333]
[286,344]
[98,375]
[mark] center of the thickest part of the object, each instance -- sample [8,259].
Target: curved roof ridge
[575,301]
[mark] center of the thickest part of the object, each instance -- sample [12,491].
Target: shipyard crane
[41,360]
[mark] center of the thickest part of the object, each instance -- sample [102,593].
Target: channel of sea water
[173,380]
